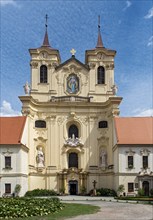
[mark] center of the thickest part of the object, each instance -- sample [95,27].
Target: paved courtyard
[112,210]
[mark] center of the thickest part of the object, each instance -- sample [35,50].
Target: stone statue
[40,157]
[103,161]
[27,88]
[114,89]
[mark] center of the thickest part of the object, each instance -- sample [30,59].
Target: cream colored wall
[37,182]
[60,115]
[56,85]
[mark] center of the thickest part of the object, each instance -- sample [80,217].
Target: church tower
[70,109]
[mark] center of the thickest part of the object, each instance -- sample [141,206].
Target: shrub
[121,188]
[83,190]
[141,192]
[17,189]
[24,207]
[151,192]
[106,192]
[40,192]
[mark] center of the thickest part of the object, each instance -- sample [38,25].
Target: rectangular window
[130,187]
[145,161]
[7,188]
[130,162]
[7,162]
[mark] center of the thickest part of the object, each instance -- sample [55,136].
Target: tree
[120,189]
[17,189]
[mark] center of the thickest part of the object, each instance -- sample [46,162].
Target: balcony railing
[70,99]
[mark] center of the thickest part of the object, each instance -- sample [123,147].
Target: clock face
[72,84]
[100,56]
[44,55]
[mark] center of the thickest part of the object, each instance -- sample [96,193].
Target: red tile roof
[137,130]
[11,129]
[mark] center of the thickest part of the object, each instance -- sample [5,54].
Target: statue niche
[103,159]
[40,158]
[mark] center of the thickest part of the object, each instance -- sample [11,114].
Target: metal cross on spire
[99,22]
[46,17]
[99,40]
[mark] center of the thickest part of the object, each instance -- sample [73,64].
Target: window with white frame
[7,162]
[7,188]
[130,162]
[130,187]
[145,162]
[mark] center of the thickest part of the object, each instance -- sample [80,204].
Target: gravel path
[113,210]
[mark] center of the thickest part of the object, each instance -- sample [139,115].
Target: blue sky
[126,26]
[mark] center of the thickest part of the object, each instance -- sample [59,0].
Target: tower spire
[46,41]
[99,40]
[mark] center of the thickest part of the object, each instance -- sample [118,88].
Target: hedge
[24,207]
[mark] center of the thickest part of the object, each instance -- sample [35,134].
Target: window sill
[43,84]
[130,168]
[100,84]
[7,168]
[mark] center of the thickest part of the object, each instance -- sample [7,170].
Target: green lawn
[70,210]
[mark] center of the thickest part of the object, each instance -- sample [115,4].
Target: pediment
[73,63]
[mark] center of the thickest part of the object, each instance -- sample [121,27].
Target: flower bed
[23,207]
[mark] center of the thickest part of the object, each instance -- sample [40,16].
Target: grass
[70,210]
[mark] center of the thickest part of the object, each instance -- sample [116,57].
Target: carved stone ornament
[130,152]
[61,120]
[145,172]
[145,152]
[110,66]
[8,152]
[92,65]
[54,64]
[73,142]
[34,65]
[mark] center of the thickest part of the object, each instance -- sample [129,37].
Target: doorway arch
[145,186]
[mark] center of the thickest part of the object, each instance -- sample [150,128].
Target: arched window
[101,75]
[73,160]
[103,124]
[73,130]
[40,124]
[43,74]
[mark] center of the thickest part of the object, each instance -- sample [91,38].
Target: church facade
[71,138]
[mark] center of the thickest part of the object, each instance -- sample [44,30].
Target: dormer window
[43,74]
[40,124]
[101,75]
[103,124]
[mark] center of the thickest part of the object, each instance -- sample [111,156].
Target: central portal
[73,187]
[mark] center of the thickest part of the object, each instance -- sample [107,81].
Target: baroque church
[70,136]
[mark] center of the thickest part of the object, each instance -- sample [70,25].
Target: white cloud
[8,2]
[150,14]
[128,4]
[7,110]
[144,112]
[150,42]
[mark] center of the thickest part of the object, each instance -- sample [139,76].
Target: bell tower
[101,63]
[43,62]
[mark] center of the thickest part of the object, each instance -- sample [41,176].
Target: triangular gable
[73,59]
